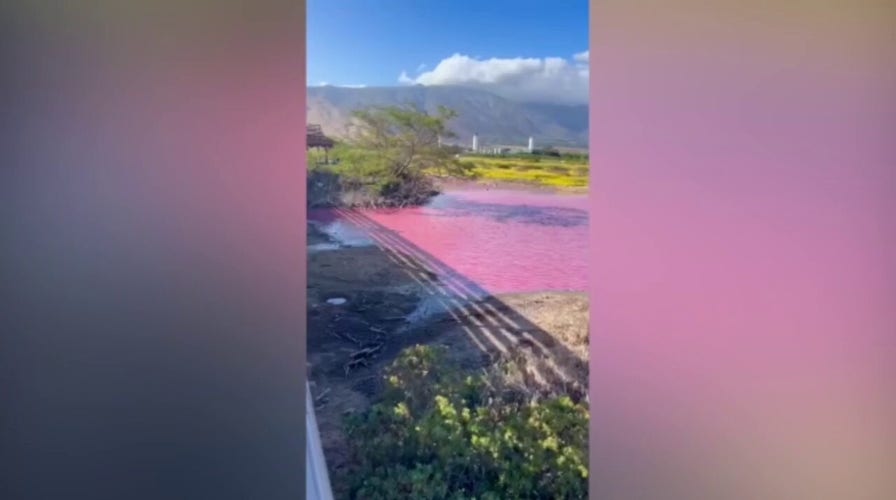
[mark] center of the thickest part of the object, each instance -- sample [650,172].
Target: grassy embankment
[562,172]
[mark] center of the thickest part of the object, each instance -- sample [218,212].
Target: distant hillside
[496,120]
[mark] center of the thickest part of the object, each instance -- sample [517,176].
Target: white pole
[317,481]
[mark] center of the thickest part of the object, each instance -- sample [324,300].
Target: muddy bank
[326,189]
[366,304]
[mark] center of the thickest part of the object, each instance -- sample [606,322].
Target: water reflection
[505,241]
[524,214]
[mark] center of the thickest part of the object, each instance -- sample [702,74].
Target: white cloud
[551,79]
[350,86]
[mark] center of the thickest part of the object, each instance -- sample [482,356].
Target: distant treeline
[550,153]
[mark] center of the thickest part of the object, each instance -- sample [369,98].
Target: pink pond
[497,240]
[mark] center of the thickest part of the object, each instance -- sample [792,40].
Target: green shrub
[437,434]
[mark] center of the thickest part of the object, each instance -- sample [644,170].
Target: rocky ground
[366,304]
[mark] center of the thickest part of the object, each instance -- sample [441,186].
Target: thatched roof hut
[317,139]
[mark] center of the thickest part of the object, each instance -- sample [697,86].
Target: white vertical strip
[317,480]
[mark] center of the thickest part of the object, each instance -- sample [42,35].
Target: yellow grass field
[546,171]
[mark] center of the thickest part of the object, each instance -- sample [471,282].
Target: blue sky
[492,44]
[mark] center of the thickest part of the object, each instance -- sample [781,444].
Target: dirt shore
[366,304]
[324,190]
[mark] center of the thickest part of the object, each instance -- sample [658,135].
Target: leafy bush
[437,434]
[391,157]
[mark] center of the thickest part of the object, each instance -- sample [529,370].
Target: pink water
[500,240]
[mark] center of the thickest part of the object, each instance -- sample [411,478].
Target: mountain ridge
[494,119]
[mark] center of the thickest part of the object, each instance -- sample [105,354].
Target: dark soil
[351,343]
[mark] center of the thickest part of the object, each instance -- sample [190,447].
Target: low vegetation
[437,433]
[545,170]
[390,158]
[394,155]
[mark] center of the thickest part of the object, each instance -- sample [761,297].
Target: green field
[563,172]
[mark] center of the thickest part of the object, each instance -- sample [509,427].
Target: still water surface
[503,240]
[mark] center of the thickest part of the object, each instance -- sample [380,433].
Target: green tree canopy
[406,141]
